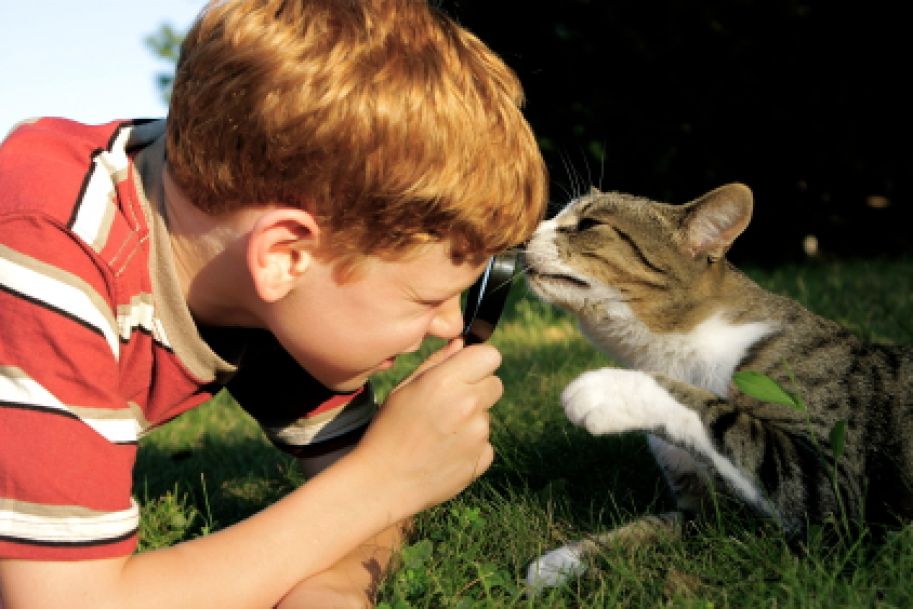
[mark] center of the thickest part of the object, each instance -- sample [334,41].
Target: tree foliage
[165,43]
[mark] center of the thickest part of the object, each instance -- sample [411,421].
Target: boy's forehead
[430,267]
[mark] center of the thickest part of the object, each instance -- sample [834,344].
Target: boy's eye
[431,303]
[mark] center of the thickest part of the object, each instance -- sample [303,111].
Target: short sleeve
[67,438]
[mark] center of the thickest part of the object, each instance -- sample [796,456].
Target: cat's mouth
[559,278]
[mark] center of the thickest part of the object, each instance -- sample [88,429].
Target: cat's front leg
[613,400]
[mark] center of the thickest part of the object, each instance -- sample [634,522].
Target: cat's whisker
[589,173]
[573,176]
[602,162]
[509,280]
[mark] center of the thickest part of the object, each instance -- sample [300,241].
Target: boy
[331,175]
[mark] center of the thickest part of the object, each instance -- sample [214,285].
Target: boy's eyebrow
[423,294]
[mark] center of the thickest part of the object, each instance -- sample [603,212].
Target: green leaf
[415,556]
[179,521]
[398,604]
[838,438]
[764,388]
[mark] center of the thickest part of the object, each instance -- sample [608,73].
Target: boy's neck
[209,253]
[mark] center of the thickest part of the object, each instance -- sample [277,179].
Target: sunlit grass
[552,483]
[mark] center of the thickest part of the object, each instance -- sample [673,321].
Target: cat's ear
[712,222]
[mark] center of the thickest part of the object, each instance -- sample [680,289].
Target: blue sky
[83,60]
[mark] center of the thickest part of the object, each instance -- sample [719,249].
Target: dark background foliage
[807,102]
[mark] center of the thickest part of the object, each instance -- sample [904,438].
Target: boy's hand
[430,438]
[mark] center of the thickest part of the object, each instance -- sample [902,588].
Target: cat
[650,286]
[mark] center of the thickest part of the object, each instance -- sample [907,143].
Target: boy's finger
[493,389]
[474,363]
[439,356]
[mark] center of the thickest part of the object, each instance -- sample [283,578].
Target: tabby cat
[650,286]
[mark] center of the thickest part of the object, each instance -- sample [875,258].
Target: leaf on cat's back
[838,438]
[764,388]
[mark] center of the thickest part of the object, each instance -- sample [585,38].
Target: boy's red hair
[389,121]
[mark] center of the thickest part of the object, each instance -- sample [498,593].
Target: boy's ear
[712,222]
[280,247]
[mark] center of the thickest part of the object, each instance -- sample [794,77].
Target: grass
[552,483]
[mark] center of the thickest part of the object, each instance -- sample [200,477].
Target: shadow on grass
[584,483]
[225,476]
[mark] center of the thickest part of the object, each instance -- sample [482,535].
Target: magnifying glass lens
[486,298]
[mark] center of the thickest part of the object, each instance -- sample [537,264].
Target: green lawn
[552,483]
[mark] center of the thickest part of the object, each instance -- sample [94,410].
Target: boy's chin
[350,384]
[337,380]
[357,382]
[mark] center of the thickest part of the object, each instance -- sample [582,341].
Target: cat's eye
[586,224]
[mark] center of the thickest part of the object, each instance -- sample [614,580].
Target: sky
[85,60]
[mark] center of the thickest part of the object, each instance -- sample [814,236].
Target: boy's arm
[353,581]
[251,564]
[427,443]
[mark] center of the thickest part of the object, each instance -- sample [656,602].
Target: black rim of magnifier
[485,299]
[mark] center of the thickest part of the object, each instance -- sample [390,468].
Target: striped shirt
[97,344]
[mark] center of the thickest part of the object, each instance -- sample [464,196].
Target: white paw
[610,400]
[555,567]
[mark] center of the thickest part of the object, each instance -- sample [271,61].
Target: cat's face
[612,257]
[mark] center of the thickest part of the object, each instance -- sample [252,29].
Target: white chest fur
[705,356]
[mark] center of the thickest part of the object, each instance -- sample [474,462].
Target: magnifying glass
[485,299]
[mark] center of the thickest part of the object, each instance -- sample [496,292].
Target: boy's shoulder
[74,181]
[46,163]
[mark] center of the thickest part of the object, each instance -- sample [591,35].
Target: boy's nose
[448,323]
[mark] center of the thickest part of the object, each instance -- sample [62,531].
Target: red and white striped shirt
[97,344]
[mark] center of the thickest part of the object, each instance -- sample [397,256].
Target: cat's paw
[611,400]
[555,567]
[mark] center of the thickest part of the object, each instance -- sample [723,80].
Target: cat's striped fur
[650,286]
